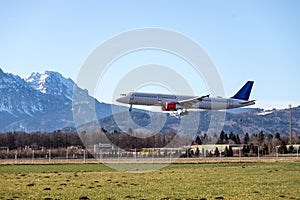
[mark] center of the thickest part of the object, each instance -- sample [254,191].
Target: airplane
[181,103]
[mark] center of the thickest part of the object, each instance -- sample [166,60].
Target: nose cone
[119,99]
[122,100]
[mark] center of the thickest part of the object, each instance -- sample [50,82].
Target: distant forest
[57,140]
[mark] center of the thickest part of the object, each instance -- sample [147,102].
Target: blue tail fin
[244,92]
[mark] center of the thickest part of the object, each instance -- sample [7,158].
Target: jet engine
[171,106]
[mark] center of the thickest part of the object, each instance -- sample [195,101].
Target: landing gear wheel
[185,112]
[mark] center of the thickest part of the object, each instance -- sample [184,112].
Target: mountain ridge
[250,121]
[41,102]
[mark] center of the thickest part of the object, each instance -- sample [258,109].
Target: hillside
[253,121]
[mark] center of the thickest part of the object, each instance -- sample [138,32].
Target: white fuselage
[154,99]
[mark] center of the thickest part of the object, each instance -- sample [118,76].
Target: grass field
[271,180]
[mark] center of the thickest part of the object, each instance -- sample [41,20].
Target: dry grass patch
[178,181]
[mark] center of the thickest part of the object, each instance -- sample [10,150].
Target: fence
[75,154]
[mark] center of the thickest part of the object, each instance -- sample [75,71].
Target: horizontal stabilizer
[247,102]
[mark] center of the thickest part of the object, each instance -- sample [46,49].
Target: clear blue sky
[257,40]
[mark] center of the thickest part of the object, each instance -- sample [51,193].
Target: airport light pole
[291,128]
[49,155]
[241,126]
[16,156]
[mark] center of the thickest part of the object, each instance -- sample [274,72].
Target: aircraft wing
[189,102]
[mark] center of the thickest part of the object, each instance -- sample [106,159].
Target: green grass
[177,181]
[54,168]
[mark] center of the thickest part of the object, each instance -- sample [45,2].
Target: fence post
[67,154]
[84,155]
[152,155]
[240,154]
[49,155]
[16,156]
[32,156]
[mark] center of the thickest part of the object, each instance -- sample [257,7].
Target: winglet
[244,92]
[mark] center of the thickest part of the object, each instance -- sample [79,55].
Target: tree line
[51,140]
[59,139]
[252,143]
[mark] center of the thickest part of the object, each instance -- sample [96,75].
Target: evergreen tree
[254,148]
[217,152]
[265,149]
[270,137]
[226,138]
[232,136]
[238,141]
[230,151]
[277,136]
[246,150]
[198,140]
[197,151]
[221,137]
[246,139]
[226,152]
[204,138]
[282,148]
[290,149]
[261,137]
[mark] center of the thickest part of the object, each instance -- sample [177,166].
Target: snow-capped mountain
[52,83]
[17,97]
[42,101]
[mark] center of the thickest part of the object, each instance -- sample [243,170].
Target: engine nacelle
[170,106]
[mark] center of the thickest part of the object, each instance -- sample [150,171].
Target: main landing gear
[179,113]
[184,112]
[130,108]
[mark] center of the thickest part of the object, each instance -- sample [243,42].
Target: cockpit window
[123,95]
